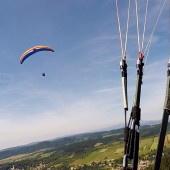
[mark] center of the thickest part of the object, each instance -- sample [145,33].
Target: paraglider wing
[33,50]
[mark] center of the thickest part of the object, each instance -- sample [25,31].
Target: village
[111,165]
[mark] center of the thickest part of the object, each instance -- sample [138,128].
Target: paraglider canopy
[33,50]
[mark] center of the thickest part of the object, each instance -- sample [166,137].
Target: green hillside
[92,150]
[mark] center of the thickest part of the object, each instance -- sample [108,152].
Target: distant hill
[92,138]
[84,151]
[121,125]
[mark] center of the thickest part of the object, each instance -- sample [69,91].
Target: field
[101,148]
[100,153]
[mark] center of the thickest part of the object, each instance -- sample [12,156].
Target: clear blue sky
[82,88]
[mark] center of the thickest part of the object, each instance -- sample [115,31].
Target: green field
[115,150]
[82,150]
[100,152]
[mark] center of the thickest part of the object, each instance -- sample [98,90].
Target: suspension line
[137,24]
[147,53]
[127,29]
[151,36]
[120,33]
[144,27]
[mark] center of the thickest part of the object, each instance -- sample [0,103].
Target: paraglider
[34,50]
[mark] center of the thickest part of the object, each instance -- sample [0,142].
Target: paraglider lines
[131,131]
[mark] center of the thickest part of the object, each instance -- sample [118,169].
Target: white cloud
[107,90]
[85,114]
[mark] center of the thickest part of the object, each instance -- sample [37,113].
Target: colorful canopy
[33,50]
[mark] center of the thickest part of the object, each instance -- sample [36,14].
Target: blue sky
[82,88]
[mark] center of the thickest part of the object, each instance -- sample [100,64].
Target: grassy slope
[85,153]
[36,155]
[115,150]
[101,153]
